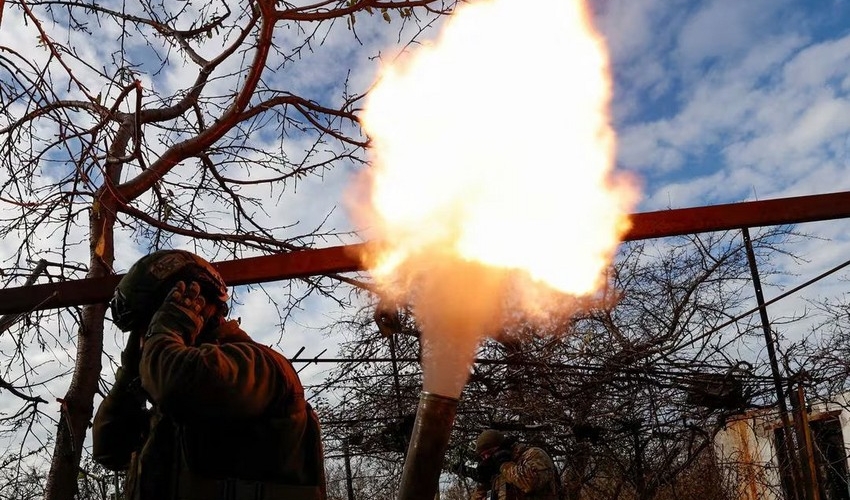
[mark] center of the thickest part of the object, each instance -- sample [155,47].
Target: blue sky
[723,101]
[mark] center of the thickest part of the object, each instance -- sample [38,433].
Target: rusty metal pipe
[428,443]
[342,259]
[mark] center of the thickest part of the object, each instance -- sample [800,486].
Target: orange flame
[492,156]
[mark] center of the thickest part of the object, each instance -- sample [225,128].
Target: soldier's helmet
[143,289]
[489,438]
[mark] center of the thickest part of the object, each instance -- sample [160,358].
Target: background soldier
[509,470]
[227,418]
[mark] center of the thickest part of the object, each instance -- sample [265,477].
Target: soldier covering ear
[201,411]
[509,470]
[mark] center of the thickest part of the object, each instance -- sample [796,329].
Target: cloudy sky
[726,101]
[713,102]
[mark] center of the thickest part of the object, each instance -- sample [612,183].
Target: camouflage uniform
[529,475]
[227,419]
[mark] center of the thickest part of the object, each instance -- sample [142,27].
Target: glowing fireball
[492,164]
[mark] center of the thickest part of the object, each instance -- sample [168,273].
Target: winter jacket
[223,421]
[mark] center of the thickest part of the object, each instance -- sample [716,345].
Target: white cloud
[816,65]
[723,29]
[634,29]
[770,111]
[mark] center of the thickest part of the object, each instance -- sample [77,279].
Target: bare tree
[161,124]
[825,353]
[21,483]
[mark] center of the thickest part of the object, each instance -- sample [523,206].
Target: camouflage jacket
[222,417]
[529,475]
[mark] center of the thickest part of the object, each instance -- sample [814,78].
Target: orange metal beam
[342,259]
[793,210]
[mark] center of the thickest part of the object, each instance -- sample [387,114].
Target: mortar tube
[428,443]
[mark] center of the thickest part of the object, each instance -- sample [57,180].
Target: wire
[757,308]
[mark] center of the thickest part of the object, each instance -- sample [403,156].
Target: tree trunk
[78,404]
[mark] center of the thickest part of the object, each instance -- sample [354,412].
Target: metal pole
[804,437]
[349,483]
[785,448]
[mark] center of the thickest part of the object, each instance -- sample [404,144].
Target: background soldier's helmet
[143,289]
[489,438]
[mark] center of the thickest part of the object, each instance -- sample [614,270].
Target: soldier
[509,470]
[198,409]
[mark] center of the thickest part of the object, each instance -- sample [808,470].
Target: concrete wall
[745,453]
[745,448]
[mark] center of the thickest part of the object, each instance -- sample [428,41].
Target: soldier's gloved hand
[187,298]
[132,354]
[485,471]
[501,457]
[182,312]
